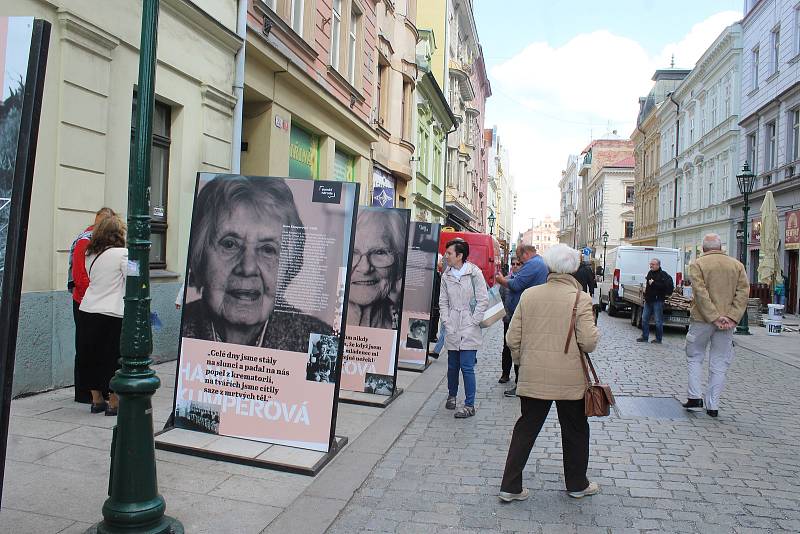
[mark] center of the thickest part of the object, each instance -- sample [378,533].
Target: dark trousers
[507,362]
[100,359]
[79,375]
[574,442]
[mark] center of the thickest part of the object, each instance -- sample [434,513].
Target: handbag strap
[584,357]
[89,273]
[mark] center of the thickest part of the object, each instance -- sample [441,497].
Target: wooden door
[791,291]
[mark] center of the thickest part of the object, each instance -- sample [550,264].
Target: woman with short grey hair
[549,372]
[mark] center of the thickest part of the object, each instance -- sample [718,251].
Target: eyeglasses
[378,258]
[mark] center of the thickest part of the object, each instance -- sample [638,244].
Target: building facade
[501,196]
[647,152]
[434,120]
[542,234]
[83,154]
[459,68]
[699,132]
[770,127]
[607,183]
[569,207]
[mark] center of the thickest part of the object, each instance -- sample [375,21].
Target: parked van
[484,251]
[629,264]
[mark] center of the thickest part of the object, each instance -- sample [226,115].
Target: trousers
[719,343]
[656,309]
[507,362]
[574,442]
[464,361]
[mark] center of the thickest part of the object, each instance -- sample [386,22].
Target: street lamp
[492,219]
[134,504]
[746,180]
[605,244]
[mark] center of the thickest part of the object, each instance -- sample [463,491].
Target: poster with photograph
[423,246]
[375,300]
[264,308]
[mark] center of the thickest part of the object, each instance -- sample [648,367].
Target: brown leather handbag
[598,398]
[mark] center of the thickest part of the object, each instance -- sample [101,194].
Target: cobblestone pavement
[738,473]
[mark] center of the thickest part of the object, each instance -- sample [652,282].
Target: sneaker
[451,403]
[503,379]
[693,403]
[464,412]
[509,497]
[658,341]
[591,489]
[713,413]
[641,340]
[511,392]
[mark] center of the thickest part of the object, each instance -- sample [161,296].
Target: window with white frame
[776,49]
[352,46]
[754,67]
[752,151]
[771,146]
[727,99]
[714,108]
[797,29]
[297,16]
[336,30]
[794,124]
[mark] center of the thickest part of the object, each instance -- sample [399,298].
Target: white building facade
[570,187]
[770,126]
[699,142]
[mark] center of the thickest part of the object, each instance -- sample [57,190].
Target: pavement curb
[322,502]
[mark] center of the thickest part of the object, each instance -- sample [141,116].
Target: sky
[566,72]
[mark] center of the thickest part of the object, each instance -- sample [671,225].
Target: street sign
[587,251]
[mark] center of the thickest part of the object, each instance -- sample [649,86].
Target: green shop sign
[303,154]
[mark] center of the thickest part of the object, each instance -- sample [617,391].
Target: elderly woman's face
[242,266]
[372,265]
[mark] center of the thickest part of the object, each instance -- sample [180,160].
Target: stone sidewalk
[413,468]
[690,473]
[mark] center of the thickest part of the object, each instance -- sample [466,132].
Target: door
[791,291]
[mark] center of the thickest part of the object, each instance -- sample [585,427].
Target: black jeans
[574,442]
[82,393]
[507,362]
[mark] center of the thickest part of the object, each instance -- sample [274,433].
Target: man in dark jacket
[658,287]
[586,277]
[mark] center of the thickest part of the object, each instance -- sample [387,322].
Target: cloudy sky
[565,72]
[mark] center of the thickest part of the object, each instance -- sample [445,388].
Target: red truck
[484,251]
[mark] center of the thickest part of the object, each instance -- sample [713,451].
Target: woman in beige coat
[463,300]
[537,336]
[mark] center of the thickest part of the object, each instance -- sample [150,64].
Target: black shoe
[658,341]
[434,355]
[111,412]
[503,379]
[99,408]
[712,413]
[511,392]
[693,403]
[641,340]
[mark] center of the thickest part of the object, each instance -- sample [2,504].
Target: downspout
[677,148]
[238,89]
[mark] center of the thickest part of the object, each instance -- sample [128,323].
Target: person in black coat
[658,286]
[588,281]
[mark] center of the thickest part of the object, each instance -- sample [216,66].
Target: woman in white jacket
[102,309]
[463,300]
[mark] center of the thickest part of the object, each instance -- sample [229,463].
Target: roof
[629,162]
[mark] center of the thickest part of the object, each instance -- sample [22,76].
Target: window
[297,16]
[406,110]
[795,134]
[691,130]
[727,100]
[754,68]
[336,29]
[752,151]
[381,90]
[797,29]
[629,194]
[271,4]
[437,164]
[714,109]
[352,45]
[776,49]
[771,148]
[159,181]
[628,229]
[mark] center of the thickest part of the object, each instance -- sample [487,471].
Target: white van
[628,264]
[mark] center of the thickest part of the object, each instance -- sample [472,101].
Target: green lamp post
[746,180]
[134,504]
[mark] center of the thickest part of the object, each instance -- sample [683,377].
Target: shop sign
[755,234]
[303,154]
[383,187]
[792,241]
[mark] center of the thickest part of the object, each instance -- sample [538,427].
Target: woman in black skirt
[101,309]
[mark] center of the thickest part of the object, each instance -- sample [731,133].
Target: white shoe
[591,489]
[509,497]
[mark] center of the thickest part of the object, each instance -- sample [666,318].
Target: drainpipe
[238,88]
[677,148]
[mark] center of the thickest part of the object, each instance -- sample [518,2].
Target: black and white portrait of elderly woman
[377,268]
[234,264]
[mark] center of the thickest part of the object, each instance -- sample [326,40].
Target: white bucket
[775,312]
[774,328]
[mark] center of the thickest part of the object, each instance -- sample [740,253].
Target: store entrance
[791,291]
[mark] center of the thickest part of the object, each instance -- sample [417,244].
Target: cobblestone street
[687,473]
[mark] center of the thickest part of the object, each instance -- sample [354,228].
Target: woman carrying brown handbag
[536,337]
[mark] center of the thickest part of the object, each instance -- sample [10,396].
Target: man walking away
[658,286]
[720,299]
[586,278]
[506,361]
[532,273]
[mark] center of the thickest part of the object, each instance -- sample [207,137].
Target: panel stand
[368,399]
